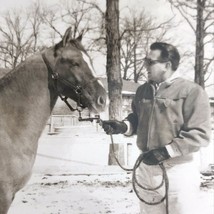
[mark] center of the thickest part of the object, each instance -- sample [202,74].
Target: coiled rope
[136,183]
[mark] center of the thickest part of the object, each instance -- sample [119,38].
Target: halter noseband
[76,88]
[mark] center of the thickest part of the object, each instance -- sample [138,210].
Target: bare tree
[19,35]
[35,26]
[51,19]
[199,15]
[138,30]
[80,15]
[12,32]
[113,58]
[113,65]
[98,39]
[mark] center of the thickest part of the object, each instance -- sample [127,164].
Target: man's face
[155,67]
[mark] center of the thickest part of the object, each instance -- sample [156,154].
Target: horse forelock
[78,45]
[75,43]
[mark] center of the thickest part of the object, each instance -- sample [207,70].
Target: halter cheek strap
[77,90]
[56,77]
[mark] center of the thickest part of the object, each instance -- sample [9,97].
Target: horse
[28,94]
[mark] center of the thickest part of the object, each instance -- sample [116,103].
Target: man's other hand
[155,156]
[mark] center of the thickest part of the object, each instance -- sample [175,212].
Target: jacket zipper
[151,118]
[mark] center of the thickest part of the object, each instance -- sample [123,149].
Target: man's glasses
[150,62]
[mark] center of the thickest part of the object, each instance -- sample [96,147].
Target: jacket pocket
[172,109]
[164,103]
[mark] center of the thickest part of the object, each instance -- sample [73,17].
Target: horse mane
[6,77]
[10,74]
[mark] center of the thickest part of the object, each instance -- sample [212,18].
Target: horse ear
[67,36]
[79,38]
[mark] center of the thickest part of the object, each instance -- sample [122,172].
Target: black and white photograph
[107,107]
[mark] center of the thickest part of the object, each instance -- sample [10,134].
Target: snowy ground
[76,194]
[71,176]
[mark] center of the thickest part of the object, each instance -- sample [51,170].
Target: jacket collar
[170,80]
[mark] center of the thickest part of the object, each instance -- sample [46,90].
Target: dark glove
[114,127]
[155,156]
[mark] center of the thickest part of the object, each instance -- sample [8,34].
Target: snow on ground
[76,194]
[85,194]
[71,176]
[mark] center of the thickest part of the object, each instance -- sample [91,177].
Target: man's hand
[114,127]
[155,156]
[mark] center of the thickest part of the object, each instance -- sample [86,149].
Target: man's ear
[168,65]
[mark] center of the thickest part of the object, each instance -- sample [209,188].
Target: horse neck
[27,97]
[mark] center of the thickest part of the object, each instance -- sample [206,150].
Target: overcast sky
[154,6]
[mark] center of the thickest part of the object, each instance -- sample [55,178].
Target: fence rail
[59,121]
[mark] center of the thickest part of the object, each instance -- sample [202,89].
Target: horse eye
[75,64]
[69,61]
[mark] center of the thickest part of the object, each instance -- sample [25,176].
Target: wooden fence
[56,122]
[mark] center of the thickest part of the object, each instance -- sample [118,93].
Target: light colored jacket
[177,116]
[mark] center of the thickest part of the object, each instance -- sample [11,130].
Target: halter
[76,88]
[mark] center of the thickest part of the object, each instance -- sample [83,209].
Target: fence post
[51,127]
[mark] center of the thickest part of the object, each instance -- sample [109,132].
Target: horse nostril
[100,101]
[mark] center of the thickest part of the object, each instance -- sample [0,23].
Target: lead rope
[115,157]
[136,183]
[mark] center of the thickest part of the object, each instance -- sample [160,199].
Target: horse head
[76,76]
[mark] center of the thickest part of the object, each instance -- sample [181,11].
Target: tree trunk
[113,65]
[199,55]
[135,53]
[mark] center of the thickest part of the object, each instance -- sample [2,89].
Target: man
[171,118]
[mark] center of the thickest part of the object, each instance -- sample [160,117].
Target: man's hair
[168,52]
